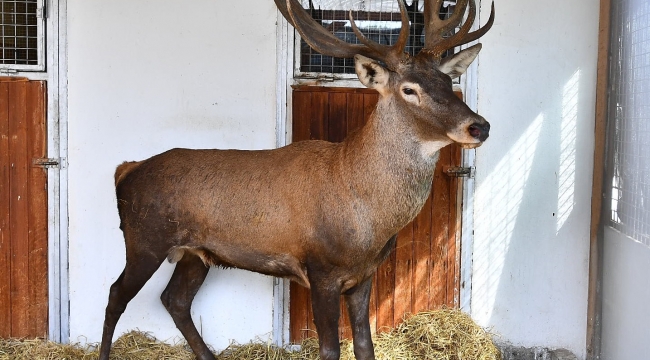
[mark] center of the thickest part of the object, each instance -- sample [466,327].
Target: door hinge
[47,162]
[459,171]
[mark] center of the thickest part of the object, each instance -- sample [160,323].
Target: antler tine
[447,43]
[326,43]
[393,53]
[317,36]
[436,28]
[436,44]
[480,32]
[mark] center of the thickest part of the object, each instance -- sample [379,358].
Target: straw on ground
[437,335]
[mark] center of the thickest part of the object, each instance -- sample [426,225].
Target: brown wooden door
[23,209]
[423,271]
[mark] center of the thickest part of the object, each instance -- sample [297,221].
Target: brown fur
[124,169]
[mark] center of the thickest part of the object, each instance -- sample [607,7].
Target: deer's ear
[371,73]
[456,65]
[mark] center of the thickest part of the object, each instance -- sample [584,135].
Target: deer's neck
[389,169]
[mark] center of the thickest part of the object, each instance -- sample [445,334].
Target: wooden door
[23,209]
[423,271]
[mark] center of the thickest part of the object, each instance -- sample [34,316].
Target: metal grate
[19,32]
[629,114]
[379,20]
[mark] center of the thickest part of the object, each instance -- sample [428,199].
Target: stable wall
[536,85]
[144,77]
[147,76]
[626,290]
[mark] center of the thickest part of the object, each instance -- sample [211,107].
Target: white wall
[626,290]
[536,76]
[146,76]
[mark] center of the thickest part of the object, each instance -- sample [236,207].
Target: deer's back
[270,207]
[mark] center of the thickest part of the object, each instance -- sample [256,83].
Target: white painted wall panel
[626,290]
[536,76]
[146,76]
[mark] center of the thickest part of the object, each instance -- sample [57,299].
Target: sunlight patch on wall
[568,134]
[500,195]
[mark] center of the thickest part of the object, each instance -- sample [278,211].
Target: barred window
[22,35]
[379,20]
[629,113]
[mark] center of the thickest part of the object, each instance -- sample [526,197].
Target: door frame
[285,56]
[55,75]
[57,41]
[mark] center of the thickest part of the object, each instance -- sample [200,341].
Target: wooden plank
[374,302]
[319,124]
[455,226]
[298,313]
[338,123]
[440,234]
[595,248]
[19,210]
[403,273]
[301,113]
[311,327]
[345,329]
[5,79]
[386,294]
[453,253]
[5,233]
[422,259]
[37,203]
[300,305]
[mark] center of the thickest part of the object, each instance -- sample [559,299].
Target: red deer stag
[324,215]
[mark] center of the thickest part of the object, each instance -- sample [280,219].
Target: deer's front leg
[326,300]
[357,300]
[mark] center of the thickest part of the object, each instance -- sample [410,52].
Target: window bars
[21,35]
[379,20]
[628,167]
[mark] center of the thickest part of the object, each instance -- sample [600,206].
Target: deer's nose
[480,131]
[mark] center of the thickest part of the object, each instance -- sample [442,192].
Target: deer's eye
[408,91]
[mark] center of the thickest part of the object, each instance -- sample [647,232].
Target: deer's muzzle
[479,131]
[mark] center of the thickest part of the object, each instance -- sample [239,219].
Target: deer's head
[421,85]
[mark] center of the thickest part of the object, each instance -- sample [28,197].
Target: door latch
[47,162]
[459,171]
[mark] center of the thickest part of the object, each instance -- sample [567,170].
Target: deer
[322,214]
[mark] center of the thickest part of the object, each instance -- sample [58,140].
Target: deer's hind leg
[138,270]
[189,274]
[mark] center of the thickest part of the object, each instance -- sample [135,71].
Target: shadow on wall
[529,196]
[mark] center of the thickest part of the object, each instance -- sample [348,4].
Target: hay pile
[437,335]
[441,334]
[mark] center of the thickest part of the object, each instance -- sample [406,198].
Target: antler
[435,44]
[326,43]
